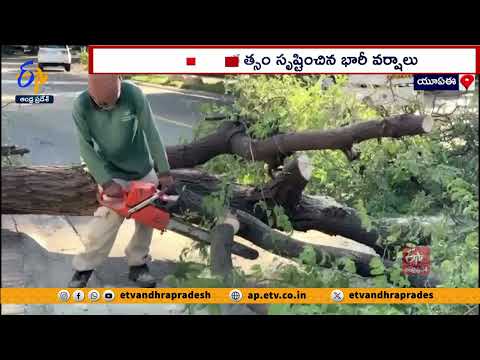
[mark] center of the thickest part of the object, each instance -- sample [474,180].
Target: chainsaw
[144,203]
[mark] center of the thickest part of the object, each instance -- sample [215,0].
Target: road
[48,129]
[41,256]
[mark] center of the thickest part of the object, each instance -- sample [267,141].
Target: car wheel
[67,67]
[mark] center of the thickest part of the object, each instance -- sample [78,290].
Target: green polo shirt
[122,143]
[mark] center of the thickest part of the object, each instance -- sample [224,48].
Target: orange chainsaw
[144,203]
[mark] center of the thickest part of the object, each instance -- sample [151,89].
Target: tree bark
[66,190]
[198,234]
[63,190]
[231,138]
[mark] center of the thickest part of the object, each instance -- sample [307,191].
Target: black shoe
[141,275]
[80,279]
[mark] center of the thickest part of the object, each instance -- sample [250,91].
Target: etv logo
[26,77]
[416,260]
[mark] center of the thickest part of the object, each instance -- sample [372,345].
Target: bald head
[104,89]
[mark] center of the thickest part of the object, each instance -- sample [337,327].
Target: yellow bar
[248,296]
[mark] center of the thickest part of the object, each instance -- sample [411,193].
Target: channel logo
[444,82]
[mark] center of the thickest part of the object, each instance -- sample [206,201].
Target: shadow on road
[25,263]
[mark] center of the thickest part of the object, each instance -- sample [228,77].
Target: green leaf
[376,266]
[214,309]
[170,280]
[472,240]
[362,213]
[348,265]
[381,281]
[279,309]
[308,256]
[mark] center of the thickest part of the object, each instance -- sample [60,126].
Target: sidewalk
[37,251]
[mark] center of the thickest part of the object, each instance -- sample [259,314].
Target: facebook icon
[78,295]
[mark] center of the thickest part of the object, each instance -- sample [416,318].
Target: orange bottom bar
[241,296]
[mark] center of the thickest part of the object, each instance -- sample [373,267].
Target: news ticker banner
[240,296]
[158,59]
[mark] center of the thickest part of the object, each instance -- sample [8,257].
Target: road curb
[224,98]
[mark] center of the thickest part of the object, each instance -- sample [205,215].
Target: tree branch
[14,150]
[231,138]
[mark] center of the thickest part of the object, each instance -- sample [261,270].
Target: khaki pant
[103,231]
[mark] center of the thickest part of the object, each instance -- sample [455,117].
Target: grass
[213,85]
[153,79]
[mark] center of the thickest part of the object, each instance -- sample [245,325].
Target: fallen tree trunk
[70,191]
[63,190]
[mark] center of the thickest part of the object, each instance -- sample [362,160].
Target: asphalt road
[48,129]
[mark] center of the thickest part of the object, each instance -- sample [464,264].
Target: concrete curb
[225,98]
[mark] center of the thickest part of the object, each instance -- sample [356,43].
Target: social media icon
[235,295]
[337,295]
[78,295]
[108,295]
[93,295]
[63,295]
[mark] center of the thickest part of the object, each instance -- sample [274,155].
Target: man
[119,142]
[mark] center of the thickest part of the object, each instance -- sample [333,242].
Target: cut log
[287,187]
[221,241]
[198,234]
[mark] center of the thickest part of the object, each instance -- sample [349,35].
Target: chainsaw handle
[124,195]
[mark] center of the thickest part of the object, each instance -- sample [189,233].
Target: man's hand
[112,189]
[165,181]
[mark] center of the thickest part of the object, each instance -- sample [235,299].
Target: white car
[54,55]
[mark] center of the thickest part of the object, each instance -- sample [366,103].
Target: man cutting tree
[119,143]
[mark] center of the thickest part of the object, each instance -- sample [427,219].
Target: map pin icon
[466,80]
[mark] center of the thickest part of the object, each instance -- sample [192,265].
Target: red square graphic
[190,61]
[232,61]
[416,260]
